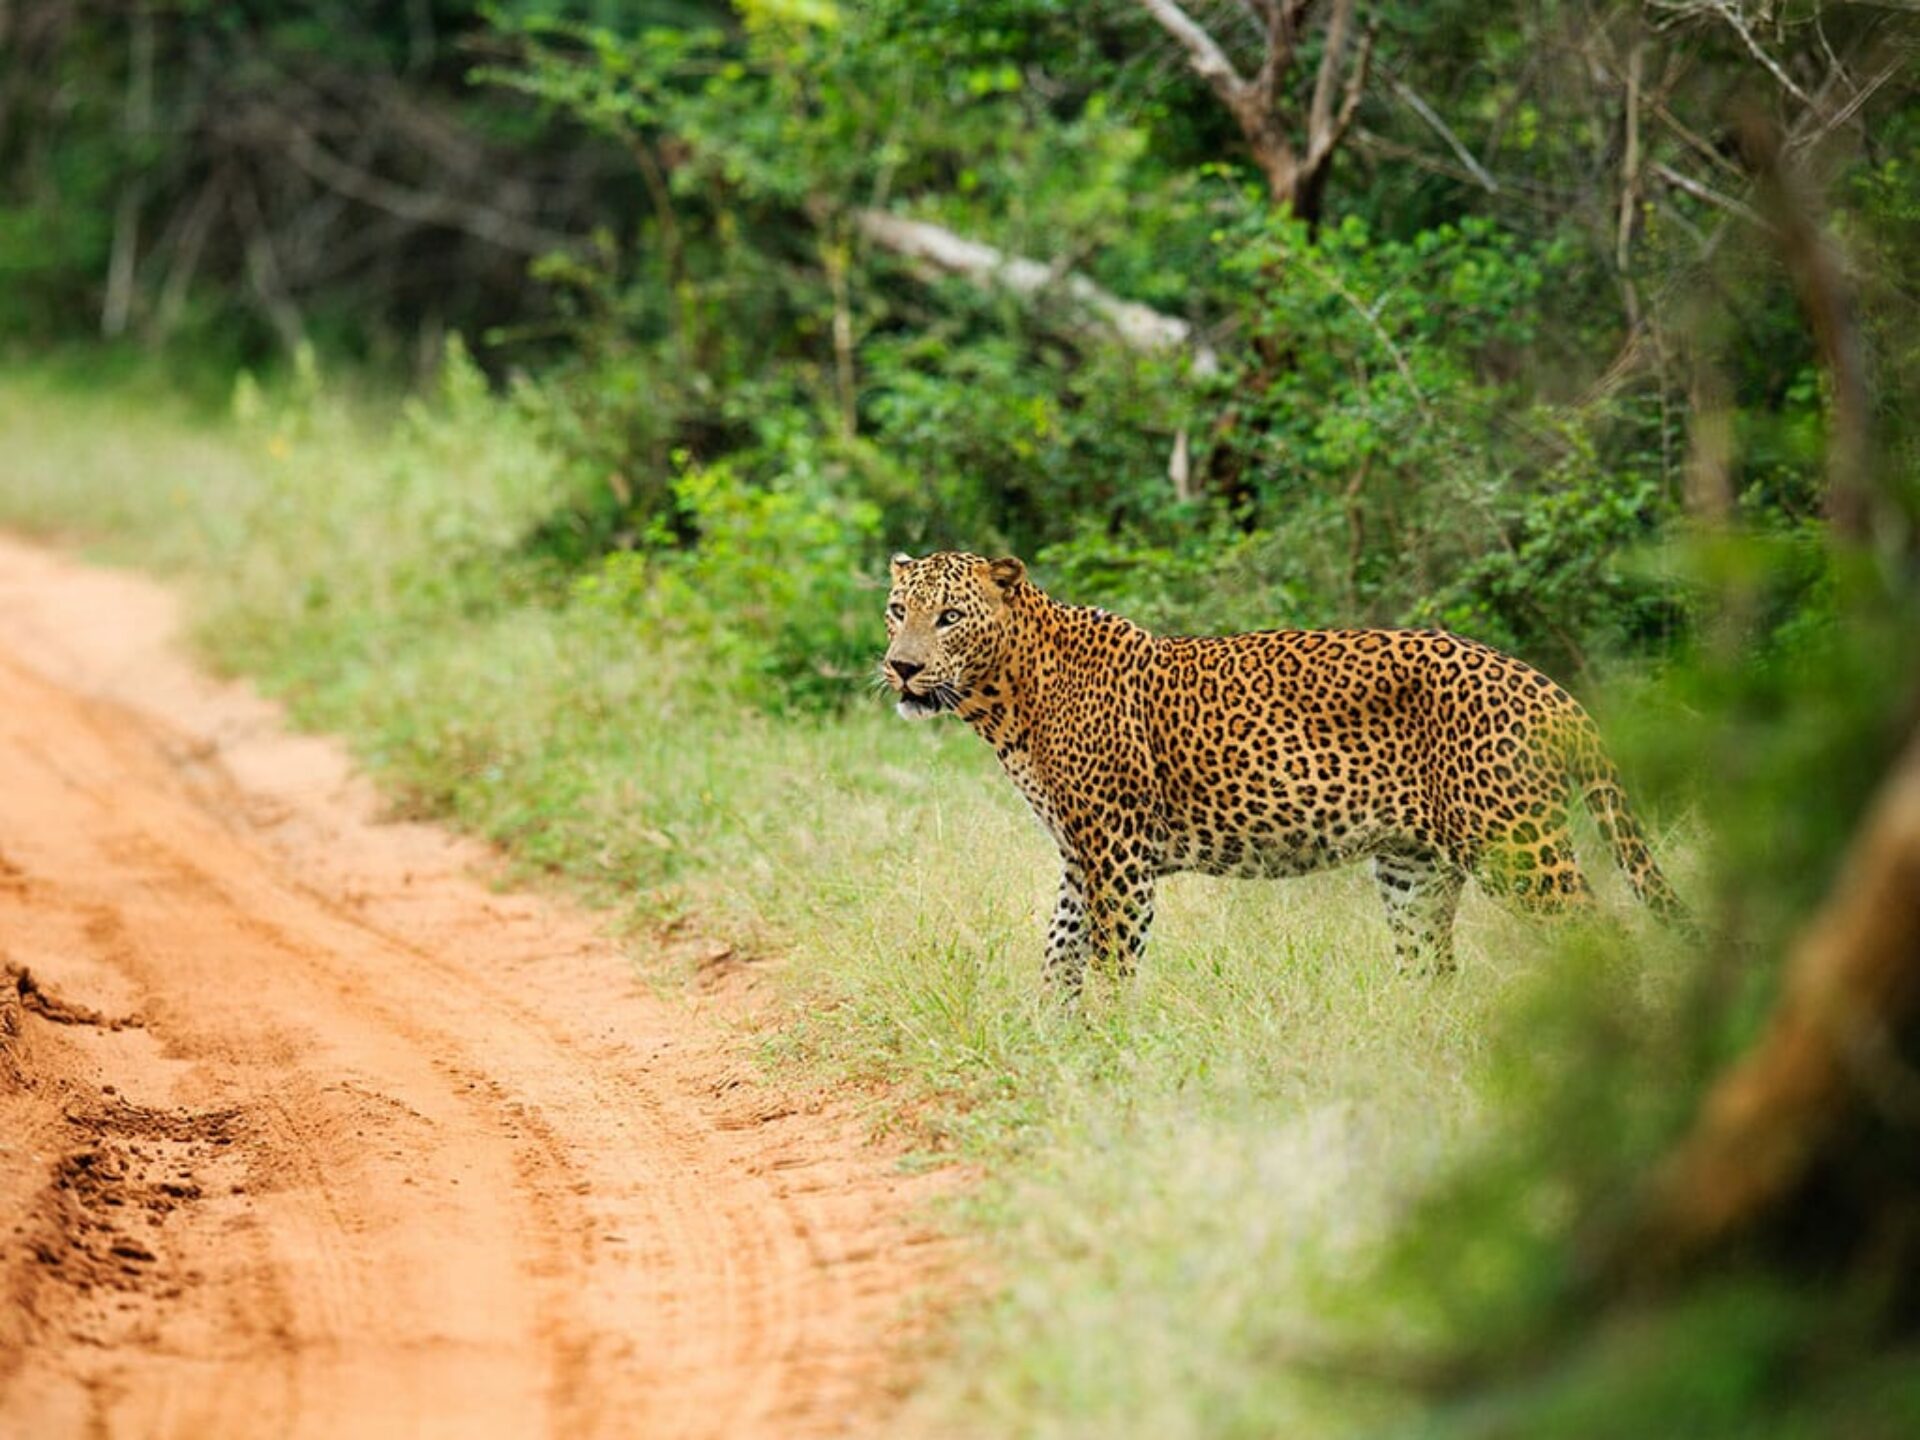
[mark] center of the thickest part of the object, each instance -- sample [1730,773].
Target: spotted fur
[1271,754]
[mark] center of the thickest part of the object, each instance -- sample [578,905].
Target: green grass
[1190,1182]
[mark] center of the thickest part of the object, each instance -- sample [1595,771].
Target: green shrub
[776,590]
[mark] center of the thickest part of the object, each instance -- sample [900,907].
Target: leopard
[1427,755]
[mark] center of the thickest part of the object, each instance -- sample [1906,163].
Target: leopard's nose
[905,669]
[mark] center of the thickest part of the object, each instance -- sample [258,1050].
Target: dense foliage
[1458,397]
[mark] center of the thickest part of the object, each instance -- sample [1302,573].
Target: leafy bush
[776,591]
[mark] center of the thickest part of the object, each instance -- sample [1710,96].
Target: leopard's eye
[950,617]
[897,611]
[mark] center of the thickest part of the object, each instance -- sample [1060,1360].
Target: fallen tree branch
[1136,326]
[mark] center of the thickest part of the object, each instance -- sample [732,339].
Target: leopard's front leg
[1067,935]
[1106,900]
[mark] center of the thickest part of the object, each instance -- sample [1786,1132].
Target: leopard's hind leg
[1533,867]
[1420,890]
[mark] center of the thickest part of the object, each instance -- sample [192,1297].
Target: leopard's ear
[1007,572]
[900,562]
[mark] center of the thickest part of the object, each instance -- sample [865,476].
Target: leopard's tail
[1599,785]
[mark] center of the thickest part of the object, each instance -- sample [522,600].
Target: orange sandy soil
[305,1129]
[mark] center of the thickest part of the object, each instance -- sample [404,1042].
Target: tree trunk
[136,120]
[1295,169]
[1830,1096]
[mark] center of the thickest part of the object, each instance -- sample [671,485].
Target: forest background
[1587,329]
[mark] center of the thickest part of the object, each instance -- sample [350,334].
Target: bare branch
[1277,57]
[1729,10]
[1206,57]
[1629,187]
[1847,111]
[1426,112]
[1257,13]
[1295,164]
[1695,143]
[493,226]
[1320,111]
[194,229]
[1536,193]
[1735,19]
[1326,127]
[263,270]
[1704,193]
[1356,88]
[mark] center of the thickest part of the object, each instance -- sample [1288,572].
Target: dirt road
[304,1130]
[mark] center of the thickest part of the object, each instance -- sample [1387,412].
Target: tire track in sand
[383,1151]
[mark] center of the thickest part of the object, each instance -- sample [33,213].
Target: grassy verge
[1189,1183]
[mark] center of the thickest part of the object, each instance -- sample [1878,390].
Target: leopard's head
[948,627]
